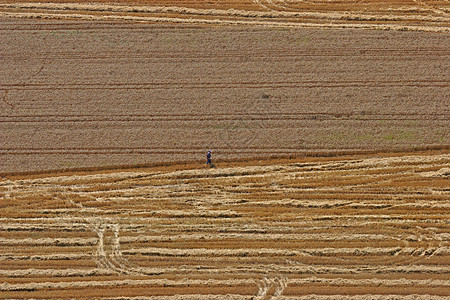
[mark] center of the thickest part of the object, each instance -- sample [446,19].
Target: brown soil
[94,94]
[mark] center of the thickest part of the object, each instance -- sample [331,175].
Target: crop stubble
[100,93]
[365,227]
[397,15]
[77,94]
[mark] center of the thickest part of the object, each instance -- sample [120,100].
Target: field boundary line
[193,21]
[308,153]
[271,13]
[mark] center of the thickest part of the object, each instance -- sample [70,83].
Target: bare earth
[94,94]
[360,227]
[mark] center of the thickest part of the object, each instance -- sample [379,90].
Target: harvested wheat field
[352,227]
[329,122]
[414,15]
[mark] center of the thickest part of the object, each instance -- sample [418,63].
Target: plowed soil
[94,94]
[361,227]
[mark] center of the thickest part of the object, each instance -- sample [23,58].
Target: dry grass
[398,15]
[340,211]
[314,226]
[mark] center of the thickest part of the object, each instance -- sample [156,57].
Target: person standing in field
[208,158]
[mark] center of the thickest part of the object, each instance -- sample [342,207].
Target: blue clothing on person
[208,158]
